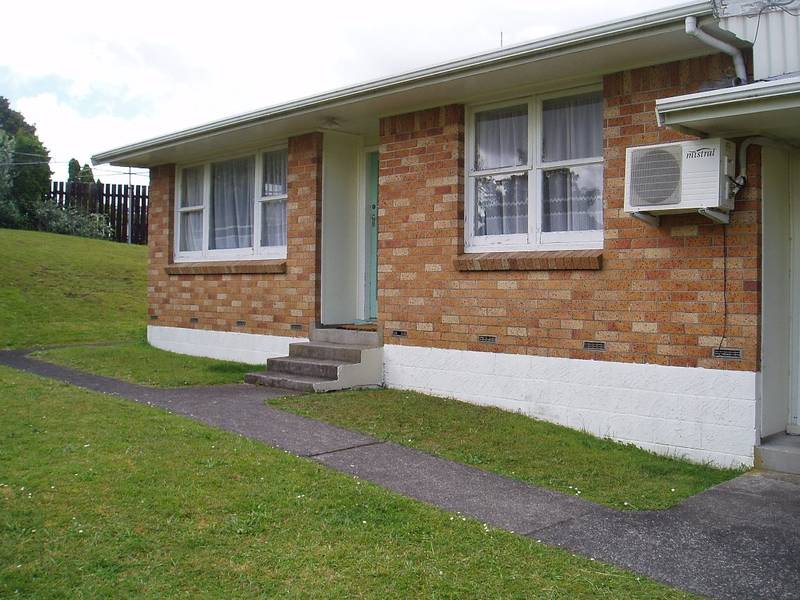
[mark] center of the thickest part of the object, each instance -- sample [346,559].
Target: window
[273,198]
[233,208]
[535,177]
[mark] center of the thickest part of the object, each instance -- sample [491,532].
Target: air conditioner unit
[680,177]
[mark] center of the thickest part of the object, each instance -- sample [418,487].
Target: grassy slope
[621,476]
[139,362]
[61,289]
[100,497]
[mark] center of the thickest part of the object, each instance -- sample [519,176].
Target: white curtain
[572,127]
[191,231]
[275,168]
[273,223]
[572,199]
[192,187]
[501,204]
[232,197]
[191,225]
[501,138]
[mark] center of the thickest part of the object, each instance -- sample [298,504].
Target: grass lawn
[138,362]
[566,460]
[61,289]
[100,497]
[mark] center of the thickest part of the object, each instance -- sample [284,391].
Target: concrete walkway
[738,540]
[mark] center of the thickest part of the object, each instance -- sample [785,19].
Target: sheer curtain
[501,204]
[191,225]
[191,231]
[273,223]
[501,138]
[274,190]
[572,197]
[232,196]
[501,200]
[572,128]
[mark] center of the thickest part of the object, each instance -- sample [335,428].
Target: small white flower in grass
[80,530]
[86,445]
[672,489]
[591,559]
[625,504]
[364,522]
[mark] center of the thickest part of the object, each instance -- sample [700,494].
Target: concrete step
[779,452]
[327,351]
[312,367]
[301,383]
[346,336]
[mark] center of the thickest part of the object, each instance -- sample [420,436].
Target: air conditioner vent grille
[655,177]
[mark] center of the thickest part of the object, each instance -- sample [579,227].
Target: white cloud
[100,74]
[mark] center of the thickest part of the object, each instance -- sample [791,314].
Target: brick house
[461,230]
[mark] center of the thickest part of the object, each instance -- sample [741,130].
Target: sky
[93,76]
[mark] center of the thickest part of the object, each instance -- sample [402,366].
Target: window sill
[545,260]
[248,267]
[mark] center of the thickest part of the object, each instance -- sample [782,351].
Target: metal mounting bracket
[651,220]
[718,216]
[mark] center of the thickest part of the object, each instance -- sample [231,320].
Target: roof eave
[678,110]
[530,50]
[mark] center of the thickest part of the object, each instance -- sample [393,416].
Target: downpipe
[693,29]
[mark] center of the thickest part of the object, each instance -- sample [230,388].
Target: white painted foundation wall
[705,415]
[250,348]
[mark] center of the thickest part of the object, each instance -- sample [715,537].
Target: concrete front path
[740,539]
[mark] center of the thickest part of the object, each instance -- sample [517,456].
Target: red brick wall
[659,295]
[267,303]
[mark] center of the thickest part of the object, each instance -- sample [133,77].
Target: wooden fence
[108,199]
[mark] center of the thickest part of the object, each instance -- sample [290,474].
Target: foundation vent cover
[487,339]
[399,333]
[727,353]
[594,346]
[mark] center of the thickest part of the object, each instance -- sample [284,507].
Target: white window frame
[535,239]
[253,252]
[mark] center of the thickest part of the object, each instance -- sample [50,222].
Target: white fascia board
[530,50]
[677,109]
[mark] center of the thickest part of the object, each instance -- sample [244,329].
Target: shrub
[48,216]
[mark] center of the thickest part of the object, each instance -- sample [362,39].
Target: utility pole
[130,208]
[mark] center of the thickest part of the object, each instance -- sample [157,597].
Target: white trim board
[248,348]
[700,414]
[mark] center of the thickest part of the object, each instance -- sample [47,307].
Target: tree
[76,172]
[86,175]
[73,170]
[9,214]
[30,174]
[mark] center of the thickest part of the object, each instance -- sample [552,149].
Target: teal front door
[372,236]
